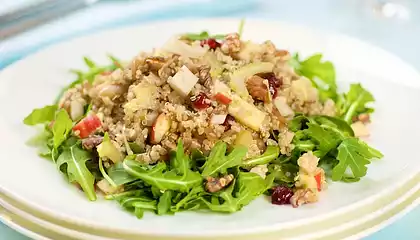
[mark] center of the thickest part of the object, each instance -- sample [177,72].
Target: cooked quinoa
[129,100]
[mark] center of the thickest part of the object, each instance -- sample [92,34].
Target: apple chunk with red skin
[160,127]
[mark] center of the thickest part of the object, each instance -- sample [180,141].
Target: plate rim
[377,222]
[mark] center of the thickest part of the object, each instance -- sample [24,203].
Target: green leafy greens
[41,115]
[73,160]
[333,142]
[182,182]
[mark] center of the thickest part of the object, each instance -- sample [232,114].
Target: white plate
[35,81]
[363,222]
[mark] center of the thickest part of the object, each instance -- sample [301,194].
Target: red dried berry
[200,101]
[273,85]
[228,121]
[281,195]
[211,42]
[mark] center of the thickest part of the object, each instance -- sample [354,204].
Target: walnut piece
[168,69]
[217,184]
[155,63]
[204,76]
[308,163]
[258,88]
[91,142]
[302,196]
[232,44]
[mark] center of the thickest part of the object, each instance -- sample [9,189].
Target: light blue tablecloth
[352,17]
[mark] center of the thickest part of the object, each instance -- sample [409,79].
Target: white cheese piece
[183,81]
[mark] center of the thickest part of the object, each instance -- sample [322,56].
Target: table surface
[352,17]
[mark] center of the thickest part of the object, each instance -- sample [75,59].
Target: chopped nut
[302,196]
[204,76]
[257,88]
[364,118]
[216,184]
[106,188]
[360,129]
[282,121]
[285,142]
[232,44]
[135,66]
[168,69]
[260,170]
[283,54]
[155,63]
[308,163]
[91,142]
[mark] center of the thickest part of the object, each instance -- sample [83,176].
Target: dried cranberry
[228,121]
[200,101]
[273,85]
[281,195]
[211,42]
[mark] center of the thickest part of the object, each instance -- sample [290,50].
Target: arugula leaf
[41,115]
[218,162]
[194,36]
[354,102]
[326,139]
[93,70]
[118,174]
[137,149]
[137,205]
[75,159]
[304,145]
[105,175]
[42,141]
[355,155]
[340,126]
[181,162]
[163,180]
[131,193]
[61,128]
[241,27]
[248,186]
[271,153]
[202,36]
[322,74]
[284,172]
[187,202]
[165,202]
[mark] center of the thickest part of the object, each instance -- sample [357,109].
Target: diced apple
[222,98]
[246,113]
[174,45]
[237,78]
[160,127]
[244,138]
[218,119]
[281,104]
[216,66]
[107,149]
[146,95]
[183,81]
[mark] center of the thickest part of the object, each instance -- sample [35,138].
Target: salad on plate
[207,122]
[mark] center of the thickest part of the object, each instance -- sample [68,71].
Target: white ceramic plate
[363,222]
[35,81]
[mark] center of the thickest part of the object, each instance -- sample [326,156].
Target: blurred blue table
[351,17]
